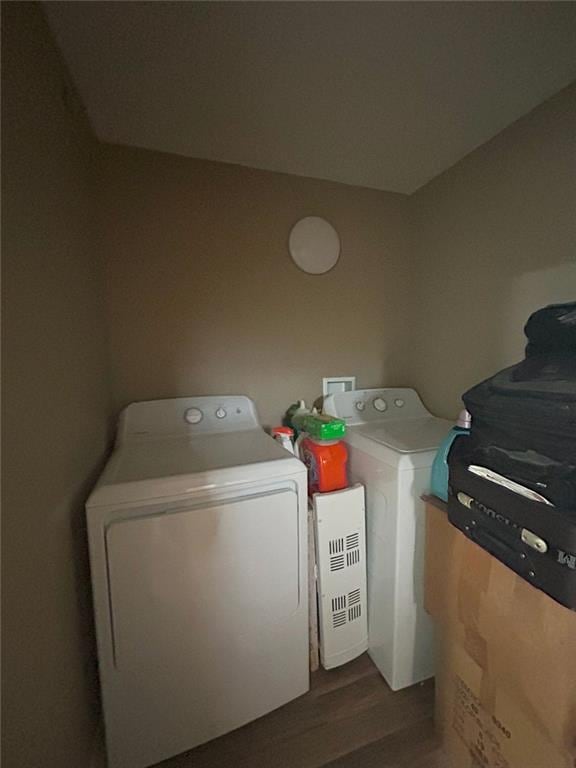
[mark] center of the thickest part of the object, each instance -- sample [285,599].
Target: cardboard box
[506,679]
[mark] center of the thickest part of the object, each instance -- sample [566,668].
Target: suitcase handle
[493,544]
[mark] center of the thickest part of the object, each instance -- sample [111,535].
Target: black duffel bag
[530,406]
[552,329]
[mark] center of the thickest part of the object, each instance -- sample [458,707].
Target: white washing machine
[392,441]
[198,548]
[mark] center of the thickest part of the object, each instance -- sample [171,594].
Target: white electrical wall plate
[333,384]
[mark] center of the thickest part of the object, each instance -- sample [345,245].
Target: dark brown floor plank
[405,748]
[323,680]
[349,714]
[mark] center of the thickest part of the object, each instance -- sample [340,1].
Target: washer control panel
[367,405]
[188,416]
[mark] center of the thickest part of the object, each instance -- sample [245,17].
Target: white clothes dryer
[392,440]
[198,548]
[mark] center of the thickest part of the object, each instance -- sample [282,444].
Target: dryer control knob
[193,415]
[220,413]
[380,404]
[360,405]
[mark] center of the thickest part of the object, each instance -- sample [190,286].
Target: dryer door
[205,620]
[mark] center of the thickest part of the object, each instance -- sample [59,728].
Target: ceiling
[379,94]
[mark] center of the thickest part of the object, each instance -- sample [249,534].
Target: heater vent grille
[337,562]
[341,562]
[336,545]
[354,597]
[352,540]
[353,557]
[339,619]
[355,612]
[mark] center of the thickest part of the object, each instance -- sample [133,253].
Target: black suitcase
[535,540]
[552,479]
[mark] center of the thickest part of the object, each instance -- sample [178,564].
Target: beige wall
[56,403]
[204,298]
[495,239]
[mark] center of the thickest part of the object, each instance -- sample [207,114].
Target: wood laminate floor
[349,719]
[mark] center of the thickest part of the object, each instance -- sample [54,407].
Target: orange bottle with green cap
[324,453]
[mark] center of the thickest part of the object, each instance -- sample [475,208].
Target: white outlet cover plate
[332,384]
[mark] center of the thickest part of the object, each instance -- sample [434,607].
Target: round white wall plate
[314,245]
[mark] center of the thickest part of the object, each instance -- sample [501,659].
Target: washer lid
[408,435]
[151,468]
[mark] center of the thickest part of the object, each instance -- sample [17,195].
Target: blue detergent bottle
[439,481]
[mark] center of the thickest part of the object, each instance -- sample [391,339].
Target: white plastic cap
[464,419]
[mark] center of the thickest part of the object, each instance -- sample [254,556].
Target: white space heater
[340,532]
